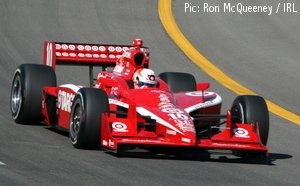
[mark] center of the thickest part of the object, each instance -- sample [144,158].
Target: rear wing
[105,55]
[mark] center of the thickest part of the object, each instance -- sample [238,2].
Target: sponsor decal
[95,48]
[102,48]
[118,49]
[103,56]
[88,55]
[105,143]
[126,54]
[65,100]
[119,127]
[165,102]
[182,121]
[125,49]
[111,143]
[64,47]
[80,47]
[72,47]
[49,54]
[241,133]
[96,55]
[141,140]
[146,112]
[171,132]
[111,56]
[111,49]
[87,47]
[231,145]
[187,140]
[199,93]
[172,110]
[118,69]
[57,46]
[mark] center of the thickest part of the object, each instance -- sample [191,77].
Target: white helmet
[144,78]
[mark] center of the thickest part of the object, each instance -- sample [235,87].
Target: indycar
[109,113]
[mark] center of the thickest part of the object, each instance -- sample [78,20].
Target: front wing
[235,136]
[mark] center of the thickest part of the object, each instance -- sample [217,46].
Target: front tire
[251,109]
[85,118]
[27,90]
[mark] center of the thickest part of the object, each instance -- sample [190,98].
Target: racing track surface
[35,155]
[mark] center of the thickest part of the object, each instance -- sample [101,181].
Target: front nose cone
[189,138]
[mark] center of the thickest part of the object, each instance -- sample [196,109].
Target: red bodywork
[154,117]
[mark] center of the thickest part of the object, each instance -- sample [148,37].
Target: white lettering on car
[178,116]
[65,100]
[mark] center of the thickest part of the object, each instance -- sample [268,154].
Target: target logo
[57,46]
[241,133]
[95,48]
[88,55]
[111,56]
[65,54]
[118,49]
[96,55]
[88,48]
[111,49]
[103,56]
[64,46]
[102,48]
[119,127]
[80,55]
[72,47]
[80,47]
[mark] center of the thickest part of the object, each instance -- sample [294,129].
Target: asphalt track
[261,52]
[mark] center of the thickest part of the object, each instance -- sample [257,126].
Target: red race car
[128,106]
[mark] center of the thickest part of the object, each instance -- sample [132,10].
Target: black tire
[26,92]
[179,81]
[251,109]
[85,118]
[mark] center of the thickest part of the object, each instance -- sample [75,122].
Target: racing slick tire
[179,81]
[85,118]
[27,90]
[251,109]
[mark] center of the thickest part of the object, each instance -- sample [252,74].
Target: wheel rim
[16,96]
[75,123]
[238,113]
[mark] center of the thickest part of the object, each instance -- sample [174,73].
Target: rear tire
[179,81]
[27,90]
[85,118]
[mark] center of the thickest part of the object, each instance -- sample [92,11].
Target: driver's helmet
[144,78]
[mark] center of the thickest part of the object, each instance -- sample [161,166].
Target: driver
[144,78]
